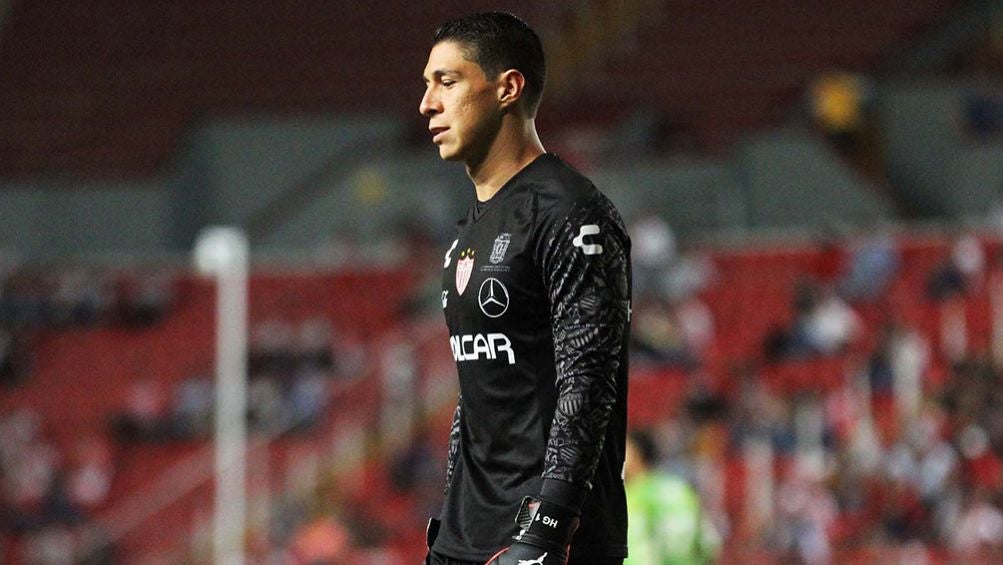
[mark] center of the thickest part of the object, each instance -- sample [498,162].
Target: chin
[448,154]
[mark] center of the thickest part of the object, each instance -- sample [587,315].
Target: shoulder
[556,184]
[560,192]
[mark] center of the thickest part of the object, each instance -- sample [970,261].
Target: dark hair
[498,41]
[645,445]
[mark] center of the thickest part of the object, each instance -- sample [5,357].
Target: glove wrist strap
[545,524]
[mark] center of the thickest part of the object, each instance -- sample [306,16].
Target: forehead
[449,56]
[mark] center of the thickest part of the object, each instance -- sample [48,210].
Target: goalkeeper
[536,295]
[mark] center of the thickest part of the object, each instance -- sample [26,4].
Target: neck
[516,145]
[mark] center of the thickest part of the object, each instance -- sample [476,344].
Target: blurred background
[814,191]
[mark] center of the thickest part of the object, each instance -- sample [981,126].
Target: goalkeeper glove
[545,532]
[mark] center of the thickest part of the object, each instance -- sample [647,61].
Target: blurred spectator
[823,325]
[979,531]
[145,415]
[313,344]
[668,523]
[90,473]
[308,398]
[806,511]
[960,273]
[895,371]
[937,469]
[672,326]
[696,321]
[322,541]
[831,324]
[80,298]
[873,263]
[50,545]
[658,335]
[653,249]
[273,344]
[30,466]
[267,408]
[660,269]
[192,410]
[144,298]
[982,467]
[910,360]
[689,274]
[13,360]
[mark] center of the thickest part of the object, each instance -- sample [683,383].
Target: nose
[430,104]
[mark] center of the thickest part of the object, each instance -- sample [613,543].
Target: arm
[432,529]
[454,444]
[587,275]
[584,259]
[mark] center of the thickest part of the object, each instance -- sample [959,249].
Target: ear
[510,87]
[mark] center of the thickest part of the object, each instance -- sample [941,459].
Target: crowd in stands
[292,369]
[899,450]
[900,453]
[49,493]
[37,299]
[65,297]
[671,324]
[897,454]
[52,490]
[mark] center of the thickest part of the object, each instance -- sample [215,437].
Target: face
[462,105]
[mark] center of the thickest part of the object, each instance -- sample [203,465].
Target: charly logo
[587,248]
[500,247]
[492,297]
[463,269]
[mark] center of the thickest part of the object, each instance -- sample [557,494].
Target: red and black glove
[546,529]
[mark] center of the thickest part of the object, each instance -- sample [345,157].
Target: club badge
[463,269]
[499,248]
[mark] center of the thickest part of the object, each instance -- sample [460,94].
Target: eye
[448,83]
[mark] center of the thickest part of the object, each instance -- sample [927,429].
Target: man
[667,524]
[536,294]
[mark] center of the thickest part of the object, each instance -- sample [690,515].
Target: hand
[525,554]
[545,534]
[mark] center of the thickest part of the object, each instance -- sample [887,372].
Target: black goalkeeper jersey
[536,294]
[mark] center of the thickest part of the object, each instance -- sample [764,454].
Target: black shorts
[439,559]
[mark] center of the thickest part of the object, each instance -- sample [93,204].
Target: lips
[436,131]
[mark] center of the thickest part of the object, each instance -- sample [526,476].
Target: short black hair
[498,41]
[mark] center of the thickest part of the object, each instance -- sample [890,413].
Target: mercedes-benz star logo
[493,297]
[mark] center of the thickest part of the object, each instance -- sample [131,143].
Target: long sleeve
[586,269]
[454,444]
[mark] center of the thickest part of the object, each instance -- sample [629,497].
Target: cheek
[476,113]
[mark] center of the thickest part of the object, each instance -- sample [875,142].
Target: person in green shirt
[666,525]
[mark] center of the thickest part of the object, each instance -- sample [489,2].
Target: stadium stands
[222,111]
[754,295]
[108,88]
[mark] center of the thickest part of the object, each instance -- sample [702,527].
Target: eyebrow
[439,73]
